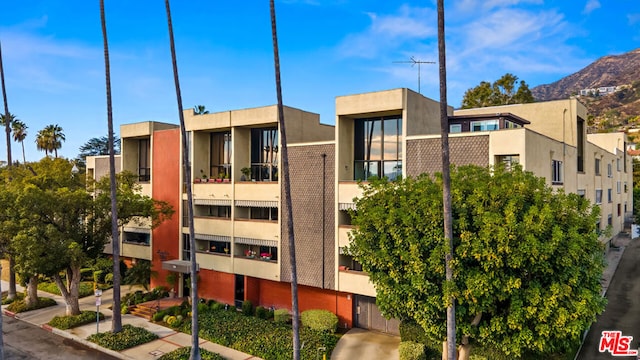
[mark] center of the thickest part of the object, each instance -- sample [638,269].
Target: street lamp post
[98,294]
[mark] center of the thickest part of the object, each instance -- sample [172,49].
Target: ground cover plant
[86,288]
[129,337]
[19,306]
[184,352]
[5,301]
[71,321]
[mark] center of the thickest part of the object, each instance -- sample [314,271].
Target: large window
[455,128]
[556,172]
[485,125]
[599,196]
[597,167]
[144,160]
[264,154]
[221,155]
[580,145]
[508,160]
[609,170]
[136,238]
[378,148]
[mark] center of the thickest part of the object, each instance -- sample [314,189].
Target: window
[580,132]
[582,193]
[508,160]
[609,220]
[209,246]
[136,238]
[626,187]
[144,160]
[618,164]
[609,170]
[599,196]
[219,211]
[220,159]
[378,148]
[264,154]
[597,167]
[511,125]
[619,210]
[556,172]
[619,187]
[455,128]
[609,195]
[485,125]
[259,213]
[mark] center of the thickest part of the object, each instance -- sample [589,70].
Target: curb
[89,344]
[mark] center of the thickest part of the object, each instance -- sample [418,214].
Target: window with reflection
[221,155]
[378,148]
[264,154]
[144,160]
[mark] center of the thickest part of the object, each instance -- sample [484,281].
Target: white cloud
[590,6]
[387,32]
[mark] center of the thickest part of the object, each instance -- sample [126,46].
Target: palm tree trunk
[287,190]
[24,158]
[195,347]
[116,322]
[446,184]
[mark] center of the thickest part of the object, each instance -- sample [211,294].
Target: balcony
[356,282]
[215,261]
[347,191]
[343,235]
[213,226]
[212,191]
[138,251]
[258,191]
[260,269]
[257,229]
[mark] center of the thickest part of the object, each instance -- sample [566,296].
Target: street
[25,341]
[623,310]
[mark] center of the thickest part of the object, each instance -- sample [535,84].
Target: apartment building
[239,218]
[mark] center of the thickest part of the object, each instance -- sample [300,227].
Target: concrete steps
[143,311]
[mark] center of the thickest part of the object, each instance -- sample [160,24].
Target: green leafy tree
[200,110]
[50,139]
[19,129]
[502,92]
[527,260]
[98,146]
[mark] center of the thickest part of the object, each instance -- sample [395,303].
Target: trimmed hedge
[129,337]
[410,350]
[247,308]
[71,321]
[320,320]
[86,288]
[281,316]
[184,353]
[410,331]
[19,306]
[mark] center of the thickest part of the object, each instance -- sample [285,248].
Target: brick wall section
[306,172]
[425,155]
[217,285]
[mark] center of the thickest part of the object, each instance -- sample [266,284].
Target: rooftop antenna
[413,61]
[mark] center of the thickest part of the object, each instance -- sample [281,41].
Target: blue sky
[54,68]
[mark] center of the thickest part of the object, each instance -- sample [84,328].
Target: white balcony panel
[136,251]
[212,191]
[257,229]
[347,191]
[212,226]
[257,268]
[258,190]
[355,282]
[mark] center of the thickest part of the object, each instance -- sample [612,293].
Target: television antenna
[413,61]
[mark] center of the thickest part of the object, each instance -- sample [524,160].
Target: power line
[413,61]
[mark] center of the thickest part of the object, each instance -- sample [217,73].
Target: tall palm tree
[195,347]
[55,138]
[287,189]
[446,184]
[116,321]
[19,134]
[42,141]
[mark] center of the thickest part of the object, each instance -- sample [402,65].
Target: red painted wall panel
[216,285]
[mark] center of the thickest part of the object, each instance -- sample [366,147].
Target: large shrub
[320,320]
[130,336]
[410,331]
[281,316]
[85,289]
[247,308]
[410,350]
[19,306]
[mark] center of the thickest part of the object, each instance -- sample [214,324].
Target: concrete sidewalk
[168,339]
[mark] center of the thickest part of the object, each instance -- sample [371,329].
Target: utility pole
[413,61]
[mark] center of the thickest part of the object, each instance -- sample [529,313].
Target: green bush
[108,279]
[247,308]
[5,301]
[202,308]
[19,306]
[98,277]
[124,309]
[320,320]
[130,336]
[281,316]
[86,274]
[217,306]
[410,350]
[184,353]
[159,316]
[68,322]
[173,321]
[410,331]
[85,289]
[262,312]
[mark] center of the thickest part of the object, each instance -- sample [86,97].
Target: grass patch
[19,306]
[129,337]
[184,353]
[86,288]
[71,321]
[5,301]
[259,337]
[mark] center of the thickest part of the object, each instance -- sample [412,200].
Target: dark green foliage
[139,296]
[262,338]
[129,337]
[247,308]
[410,331]
[410,350]
[636,202]
[184,353]
[86,274]
[320,320]
[19,306]
[158,316]
[202,307]
[527,258]
[5,301]
[217,306]
[281,316]
[98,277]
[108,279]
[86,288]
[139,274]
[68,322]
[262,313]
